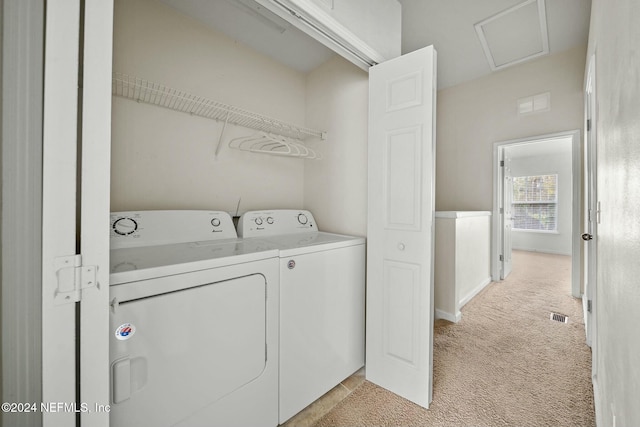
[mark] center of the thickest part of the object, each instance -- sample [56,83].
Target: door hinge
[589,305]
[502,163]
[72,277]
[588,125]
[501,210]
[501,257]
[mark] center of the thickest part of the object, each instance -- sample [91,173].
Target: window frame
[554,202]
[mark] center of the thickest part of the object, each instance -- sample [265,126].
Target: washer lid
[294,244]
[141,263]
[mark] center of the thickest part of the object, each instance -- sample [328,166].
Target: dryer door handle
[121,380]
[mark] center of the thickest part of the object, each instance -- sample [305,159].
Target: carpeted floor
[504,364]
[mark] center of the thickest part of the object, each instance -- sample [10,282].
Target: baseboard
[475,291]
[596,401]
[440,314]
[585,313]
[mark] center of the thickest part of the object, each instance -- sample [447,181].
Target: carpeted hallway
[504,364]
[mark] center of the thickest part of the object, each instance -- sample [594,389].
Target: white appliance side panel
[188,349]
[322,301]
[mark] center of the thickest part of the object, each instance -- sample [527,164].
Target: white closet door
[95,207]
[64,271]
[402,99]
[59,208]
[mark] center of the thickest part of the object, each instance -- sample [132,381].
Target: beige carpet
[504,364]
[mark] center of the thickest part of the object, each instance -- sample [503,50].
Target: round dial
[302,219]
[269,220]
[258,221]
[215,222]
[124,226]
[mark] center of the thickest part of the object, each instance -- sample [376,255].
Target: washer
[193,322]
[322,303]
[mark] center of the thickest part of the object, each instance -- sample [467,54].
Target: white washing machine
[193,323]
[322,303]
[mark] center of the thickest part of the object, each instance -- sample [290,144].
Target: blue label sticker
[125,331]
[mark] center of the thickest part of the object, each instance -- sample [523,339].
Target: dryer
[322,303]
[193,322]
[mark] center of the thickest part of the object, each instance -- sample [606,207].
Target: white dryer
[193,323]
[322,303]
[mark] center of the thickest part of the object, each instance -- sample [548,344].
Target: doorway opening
[536,203]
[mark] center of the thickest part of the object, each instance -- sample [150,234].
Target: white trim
[576,225]
[591,179]
[440,314]
[475,291]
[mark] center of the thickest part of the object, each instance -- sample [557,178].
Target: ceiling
[447,24]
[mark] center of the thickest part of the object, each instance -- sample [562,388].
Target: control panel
[150,228]
[275,222]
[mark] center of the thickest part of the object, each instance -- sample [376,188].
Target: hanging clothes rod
[142,90]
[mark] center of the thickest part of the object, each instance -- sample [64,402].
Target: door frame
[576,224]
[592,216]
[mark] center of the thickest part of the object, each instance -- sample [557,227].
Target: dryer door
[176,354]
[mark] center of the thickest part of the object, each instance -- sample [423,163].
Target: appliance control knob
[302,219]
[215,222]
[269,220]
[258,221]
[125,226]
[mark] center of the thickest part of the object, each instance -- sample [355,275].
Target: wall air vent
[534,104]
[515,35]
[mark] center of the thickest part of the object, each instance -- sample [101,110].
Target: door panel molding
[403,186]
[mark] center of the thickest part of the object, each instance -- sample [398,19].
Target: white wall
[615,36]
[163,159]
[336,187]
[474,115]
[560,164]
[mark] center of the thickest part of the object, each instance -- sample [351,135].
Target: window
[535,202]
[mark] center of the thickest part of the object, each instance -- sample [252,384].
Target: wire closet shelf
[148,92]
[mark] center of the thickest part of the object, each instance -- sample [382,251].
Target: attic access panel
[514,35]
